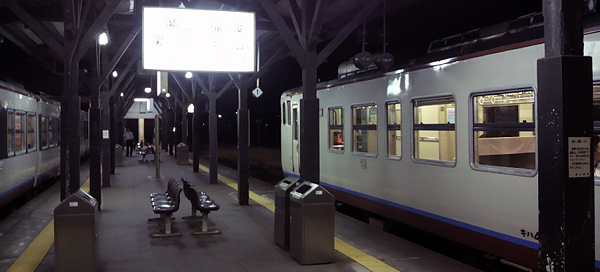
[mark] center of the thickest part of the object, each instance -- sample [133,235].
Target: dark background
[409,32]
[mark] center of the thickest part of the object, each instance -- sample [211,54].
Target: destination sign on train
[198,40]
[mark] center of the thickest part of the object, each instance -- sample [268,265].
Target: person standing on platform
[128,142]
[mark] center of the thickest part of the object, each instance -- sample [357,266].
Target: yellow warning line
[31,258]
[366,260]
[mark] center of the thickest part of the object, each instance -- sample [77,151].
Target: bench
[200,202]
[165,204]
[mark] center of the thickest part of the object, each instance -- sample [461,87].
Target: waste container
[282,211]
[118,155]
[311,224]
[183,154]
[75,235]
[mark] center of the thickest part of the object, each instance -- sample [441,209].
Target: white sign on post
[257,92]
[579,157]
[198,40]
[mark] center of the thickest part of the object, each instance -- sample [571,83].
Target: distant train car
[29,141]
[447,146]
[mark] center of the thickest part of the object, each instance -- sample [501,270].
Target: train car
[448,146]
[29,141]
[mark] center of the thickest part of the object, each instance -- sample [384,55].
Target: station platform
[245,243]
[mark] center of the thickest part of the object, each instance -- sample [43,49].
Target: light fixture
[174,129]
[122,94]
[188,75]
[191,108]
[219,116]
[115,74]
[147,90]
[103,38]
[168,95]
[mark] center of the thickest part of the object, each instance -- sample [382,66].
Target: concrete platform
[246,242]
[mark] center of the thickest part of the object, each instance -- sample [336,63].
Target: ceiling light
[122,94]
[115,74]
[168,95]
[188,75]
[148,90]
[191,108]
[103,38]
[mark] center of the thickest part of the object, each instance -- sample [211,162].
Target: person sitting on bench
[143,151]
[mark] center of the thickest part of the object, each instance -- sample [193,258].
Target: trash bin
[282,211]
[183,154]
[75,235]
[311,224]
[118,155]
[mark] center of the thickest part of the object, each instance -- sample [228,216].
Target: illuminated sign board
[198,40]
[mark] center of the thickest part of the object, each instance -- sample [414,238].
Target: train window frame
[474,127]
[432,127]
[289,108]
[42,130]
[10,129]
[33,130]
[355,127]
[56,132]
[23,132]
[389,127]
[596,131]
[283,116]
[331,127]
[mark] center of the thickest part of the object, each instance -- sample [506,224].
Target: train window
[336,129]
[394,137]
[364,129]
[10,143]
[503,129]
[296,124]
[53,132]
[31,143]
[43,132]
[283,113]
[434,129]
[19,133]
[596,137]
[289,113]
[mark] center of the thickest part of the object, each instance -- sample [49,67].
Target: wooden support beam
[37,27]
[119,54]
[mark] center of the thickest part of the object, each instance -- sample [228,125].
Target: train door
[295,140]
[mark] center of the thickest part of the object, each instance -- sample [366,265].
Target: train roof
[20,90]
[522,32]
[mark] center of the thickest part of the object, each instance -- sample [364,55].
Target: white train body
[494,209]
[29,141]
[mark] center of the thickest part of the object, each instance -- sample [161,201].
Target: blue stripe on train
[492,233]
[16,188]
[53,169]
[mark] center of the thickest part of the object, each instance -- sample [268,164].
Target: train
[445,143]
[30,141]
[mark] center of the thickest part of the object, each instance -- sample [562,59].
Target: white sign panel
[198,40]
[579,157]
[105,134]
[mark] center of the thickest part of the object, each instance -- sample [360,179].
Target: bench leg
[193,216]
[168,232]
[205,230]
[161,218]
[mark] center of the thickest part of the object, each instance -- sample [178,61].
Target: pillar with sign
[564,115]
